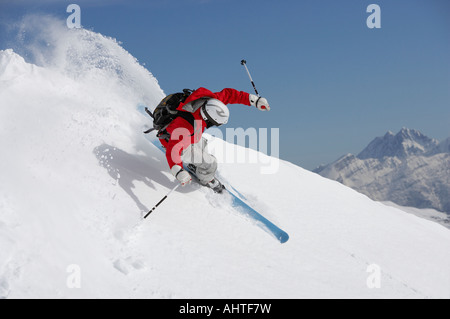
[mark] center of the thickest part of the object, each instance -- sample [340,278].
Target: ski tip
[283,238]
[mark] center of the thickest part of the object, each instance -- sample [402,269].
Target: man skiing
[183,139]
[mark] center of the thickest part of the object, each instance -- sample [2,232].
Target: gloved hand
[259,102]
[181,175]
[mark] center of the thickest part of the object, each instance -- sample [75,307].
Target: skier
[183,141]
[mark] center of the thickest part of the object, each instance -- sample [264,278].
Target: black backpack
[166,112]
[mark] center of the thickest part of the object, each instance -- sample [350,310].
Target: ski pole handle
[162,200]
[244,63]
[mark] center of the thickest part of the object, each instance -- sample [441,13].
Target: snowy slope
[427,213]
[76,173]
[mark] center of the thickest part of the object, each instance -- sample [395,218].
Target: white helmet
[214,112]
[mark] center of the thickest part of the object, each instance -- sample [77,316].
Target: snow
[428,213]
[77,174]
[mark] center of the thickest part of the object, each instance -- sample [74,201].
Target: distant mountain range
[407,168]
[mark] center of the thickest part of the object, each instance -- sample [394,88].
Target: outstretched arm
[232,96]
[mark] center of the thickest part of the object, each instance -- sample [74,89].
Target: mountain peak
[411,134]
[406,142]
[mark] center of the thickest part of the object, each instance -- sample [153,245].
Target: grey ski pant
[206,163]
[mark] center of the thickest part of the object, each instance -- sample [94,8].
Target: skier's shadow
[126,169]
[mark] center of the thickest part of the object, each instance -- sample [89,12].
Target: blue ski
[237,200]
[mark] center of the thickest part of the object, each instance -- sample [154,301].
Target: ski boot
[216,186]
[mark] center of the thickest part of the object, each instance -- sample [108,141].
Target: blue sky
[333,83]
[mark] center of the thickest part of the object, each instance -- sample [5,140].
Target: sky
[333,84]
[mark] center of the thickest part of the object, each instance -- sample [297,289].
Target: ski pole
[151,115]
[244,63]
[163,199]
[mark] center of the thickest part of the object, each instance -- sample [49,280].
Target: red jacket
[183,134]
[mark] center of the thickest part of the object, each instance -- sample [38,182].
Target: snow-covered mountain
[442,147]
[405,143]
[76,173]
[408,168]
